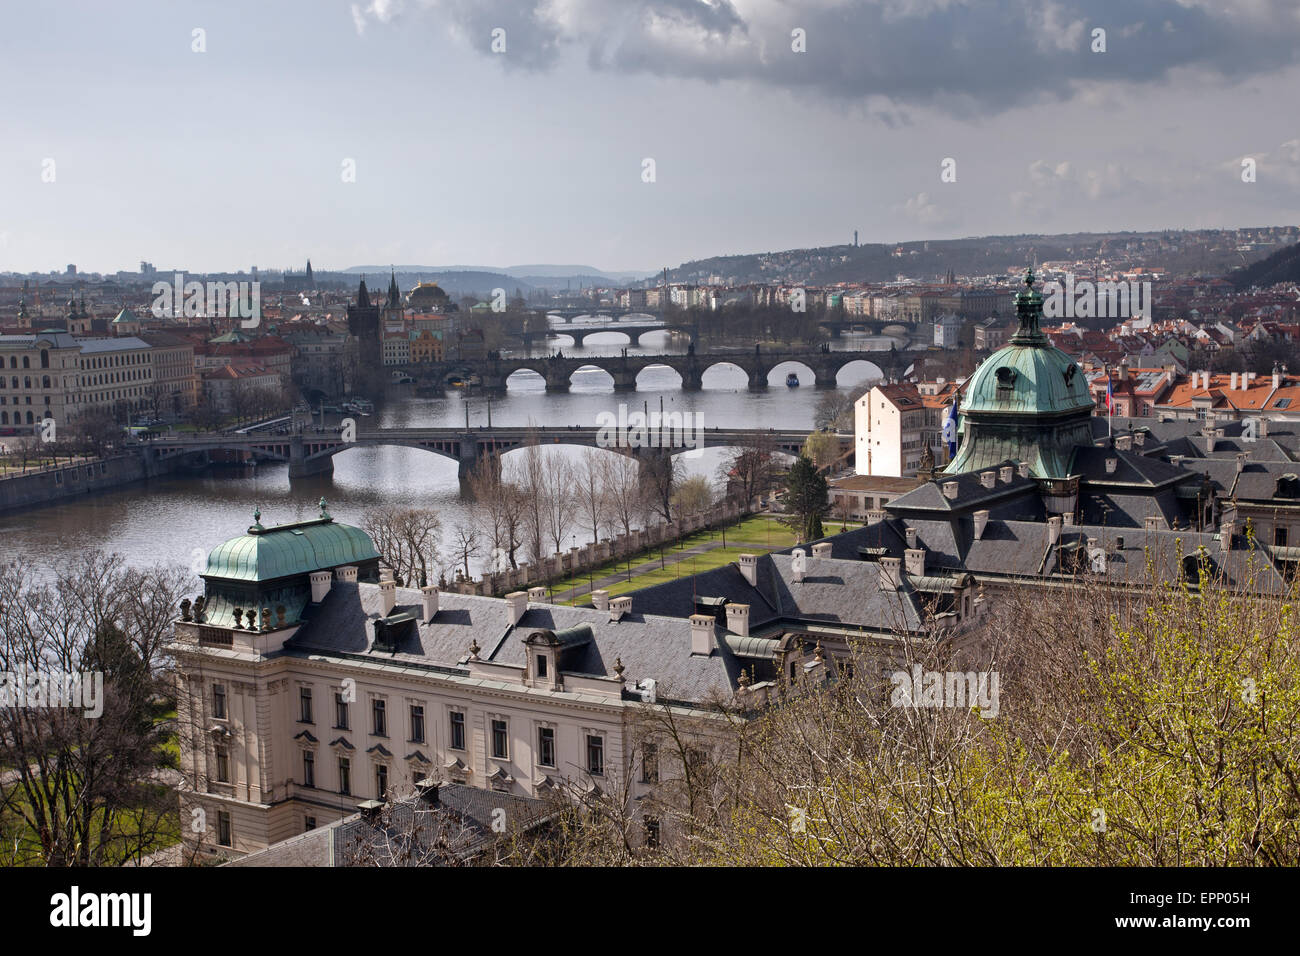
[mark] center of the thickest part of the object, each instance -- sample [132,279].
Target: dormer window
[541,665]
[1006,377]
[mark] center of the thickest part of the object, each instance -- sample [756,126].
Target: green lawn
[757,534]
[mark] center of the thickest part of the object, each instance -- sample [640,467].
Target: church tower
[364,323]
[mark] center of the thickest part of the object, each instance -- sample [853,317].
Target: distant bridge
[312,453]
[579,333]
[557,370]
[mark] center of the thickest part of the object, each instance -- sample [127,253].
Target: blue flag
[950,429]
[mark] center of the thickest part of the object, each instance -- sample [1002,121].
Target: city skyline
[233,156]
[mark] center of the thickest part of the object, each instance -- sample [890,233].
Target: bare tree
[751,471]
[466,543]
[623,492]
[590,497]
[693,495]
[408,540]
[82,781]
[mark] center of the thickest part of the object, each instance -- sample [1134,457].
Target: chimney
[748,564]
[738,619]
[346,573]
[620,606]
[386,573]
[1241,462]
[1111,464]
[701,635]
[1151,523]
[516,605]
[1225,536]
[798,564]
[950,490]
[915,561]
[1139,438]
[387,597]
[988,478]
[1053,529]
[600,599]
[1123,371]
[1005,474]
[428,603]
[1277,378]
[981,522]
[427,790]
[910,534]
[1233,386]
[890,576]
[822,549]
[1262,432]
[1124,442]
[320,586]
[537,594]
[1023,469]
[1209,443]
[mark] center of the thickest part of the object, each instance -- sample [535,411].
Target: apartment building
[889,422]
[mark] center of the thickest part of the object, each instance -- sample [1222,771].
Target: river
[166,519]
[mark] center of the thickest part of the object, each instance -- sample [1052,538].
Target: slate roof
[650,645]
[465,818]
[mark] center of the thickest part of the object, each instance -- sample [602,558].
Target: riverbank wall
[53,485]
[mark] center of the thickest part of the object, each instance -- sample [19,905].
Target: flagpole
[1110,403]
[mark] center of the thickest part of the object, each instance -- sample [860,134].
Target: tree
[500,505]
[85,788]
[591,499]
[752,470]
[822,449]
[624,495]
[660,472]
[407,539]
[807,500]
[693,495]
[466,543]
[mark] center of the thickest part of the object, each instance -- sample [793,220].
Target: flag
[1110,402]
[950,428]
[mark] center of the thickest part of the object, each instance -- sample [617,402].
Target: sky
[220,135]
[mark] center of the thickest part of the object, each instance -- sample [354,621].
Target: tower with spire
[364,322]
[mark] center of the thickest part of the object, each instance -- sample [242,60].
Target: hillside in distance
[1205,251]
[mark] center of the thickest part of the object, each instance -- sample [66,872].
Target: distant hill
[1206,251]
[550,276]
[1281,266]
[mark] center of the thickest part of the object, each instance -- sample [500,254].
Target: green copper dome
[1028,401]
[265,554]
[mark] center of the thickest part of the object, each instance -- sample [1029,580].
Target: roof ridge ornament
[324,511]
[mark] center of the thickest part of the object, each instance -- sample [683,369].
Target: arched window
[45,358]
[45,381]
[30,419]
[27,381]
[27,362]
[4,418]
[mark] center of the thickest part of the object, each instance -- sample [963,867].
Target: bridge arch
[776,375]
[659,371]
[591,378]
[525,379]
[858,371]
[724,375]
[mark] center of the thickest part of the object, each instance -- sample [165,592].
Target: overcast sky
[235,156]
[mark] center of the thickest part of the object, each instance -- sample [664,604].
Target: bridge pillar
[624,379]
[757,379]
[557,380]
[823,378]
[692,379]
[472,460]
[301,466]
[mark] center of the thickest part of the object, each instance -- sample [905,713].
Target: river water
[165,520]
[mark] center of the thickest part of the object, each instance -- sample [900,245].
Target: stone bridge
[579,333]
[557,370]
[312,453]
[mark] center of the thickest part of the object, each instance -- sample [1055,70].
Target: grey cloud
[961,56]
